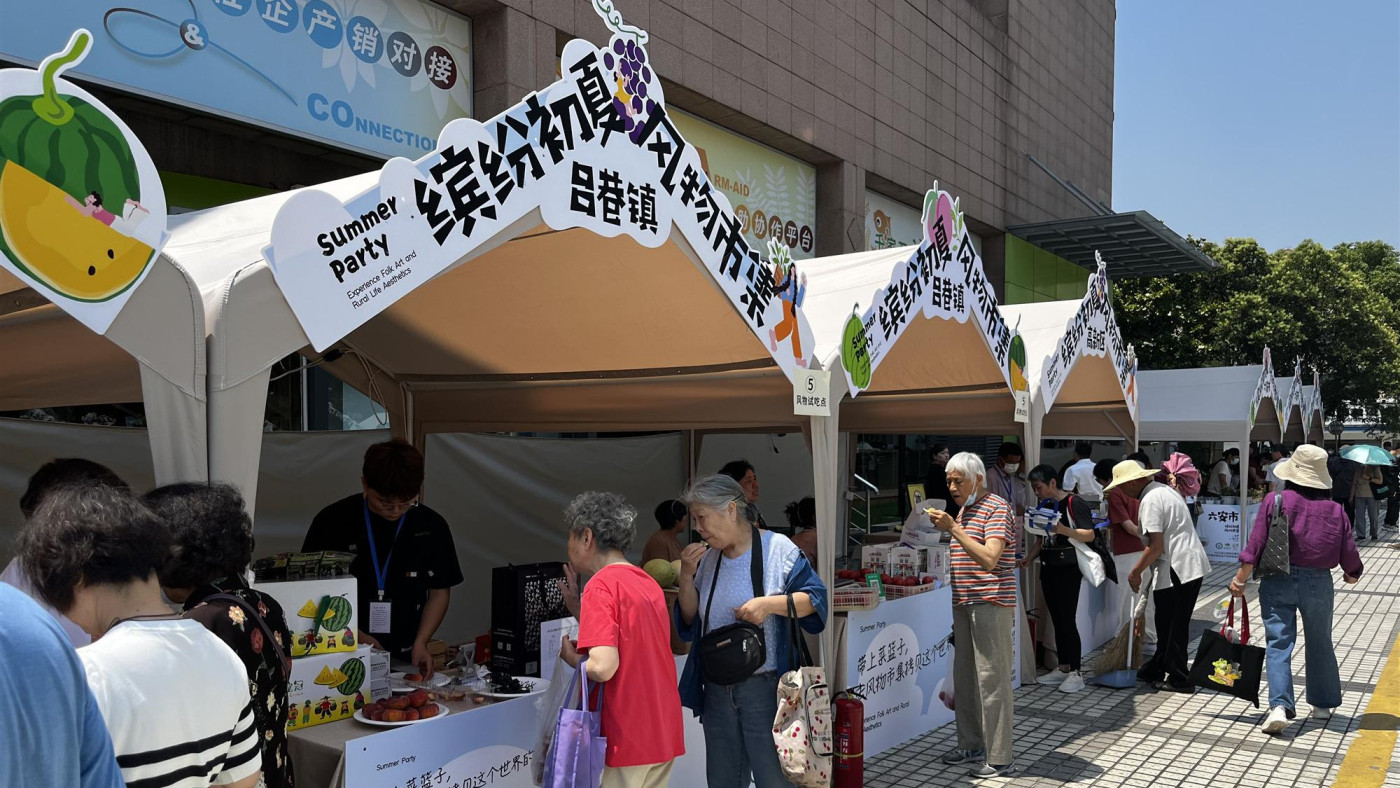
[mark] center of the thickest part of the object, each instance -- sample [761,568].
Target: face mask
[1012,467]
[971,499]
[1234,463]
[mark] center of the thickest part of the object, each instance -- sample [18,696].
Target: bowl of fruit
[399,710]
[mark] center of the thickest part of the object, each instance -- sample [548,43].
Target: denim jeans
[1282,598]
[738,725]
[1367,509]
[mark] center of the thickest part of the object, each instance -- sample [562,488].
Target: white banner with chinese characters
[1315,410]
[1092,332]
[1220,530]
[595,150]
[1265,389]
[942,279]
[900,657]
[1293,401]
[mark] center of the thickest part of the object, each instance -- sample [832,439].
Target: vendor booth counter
[491,743]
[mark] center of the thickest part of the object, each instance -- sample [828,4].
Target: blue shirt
[51,731]
[785,571]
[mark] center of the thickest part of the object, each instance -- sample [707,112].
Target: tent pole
[826,441]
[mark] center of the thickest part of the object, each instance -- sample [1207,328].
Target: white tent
[153,352]
[1210,404]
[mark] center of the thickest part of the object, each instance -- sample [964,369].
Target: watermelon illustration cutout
[1018,365]
[855,353]
[59,156]
[353,672]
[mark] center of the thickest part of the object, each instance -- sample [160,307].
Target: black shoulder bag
[731,654]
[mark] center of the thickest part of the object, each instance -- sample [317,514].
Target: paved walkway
[1143,739]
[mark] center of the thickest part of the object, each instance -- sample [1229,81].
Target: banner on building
[82,210]
[890,224]
[1092,332]
[595,150]
[943,279]
[774,195]
[376,76]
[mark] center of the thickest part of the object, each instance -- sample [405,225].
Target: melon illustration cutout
[82,211]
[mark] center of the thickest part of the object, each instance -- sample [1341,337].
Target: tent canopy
[1208,404]
[939,376]
[1091,401]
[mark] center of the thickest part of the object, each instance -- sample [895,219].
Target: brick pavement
[1142,739]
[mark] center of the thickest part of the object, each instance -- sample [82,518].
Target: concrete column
[504,59]
[840,208]
[994,262]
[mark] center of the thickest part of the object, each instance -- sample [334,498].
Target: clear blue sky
[1272,119]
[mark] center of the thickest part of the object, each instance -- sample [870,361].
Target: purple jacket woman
[1319,539]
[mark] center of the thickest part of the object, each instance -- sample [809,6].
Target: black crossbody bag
[732,653]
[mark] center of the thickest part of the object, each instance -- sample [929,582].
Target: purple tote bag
[575,758]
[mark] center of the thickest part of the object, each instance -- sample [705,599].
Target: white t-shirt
[1213,484]
[1163,511]
[1272,478]
[15,576]
[1080,479]
[176,701]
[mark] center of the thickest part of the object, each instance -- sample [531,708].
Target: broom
[1124,651]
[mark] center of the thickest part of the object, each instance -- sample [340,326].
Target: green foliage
[1334,308]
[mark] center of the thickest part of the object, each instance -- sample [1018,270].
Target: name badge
[379,617]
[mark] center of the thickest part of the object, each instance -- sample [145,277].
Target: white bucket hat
[1306,468]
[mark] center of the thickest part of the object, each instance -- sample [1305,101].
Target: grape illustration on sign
[82,211]
[943,278]
[596,150]
[1093,331]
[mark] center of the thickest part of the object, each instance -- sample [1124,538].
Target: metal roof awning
[1132,244]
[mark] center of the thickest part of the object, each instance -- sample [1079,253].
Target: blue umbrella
[1368,455]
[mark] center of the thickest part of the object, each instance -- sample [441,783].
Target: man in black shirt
[405,562]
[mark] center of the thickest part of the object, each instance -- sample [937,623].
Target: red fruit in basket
[431,710]
[418,698]
[926,579]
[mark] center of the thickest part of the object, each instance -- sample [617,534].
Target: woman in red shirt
[623,612]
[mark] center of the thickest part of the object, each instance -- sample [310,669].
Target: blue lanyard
[381,573]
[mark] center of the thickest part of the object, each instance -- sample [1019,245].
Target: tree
[1335,309]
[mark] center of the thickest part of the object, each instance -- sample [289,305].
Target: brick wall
[881,94]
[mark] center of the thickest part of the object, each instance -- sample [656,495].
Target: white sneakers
[1073,682]
[1320,713]
[1055,676]
[1276,720]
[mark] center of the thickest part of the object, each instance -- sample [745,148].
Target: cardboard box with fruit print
[327,687]
[321,614]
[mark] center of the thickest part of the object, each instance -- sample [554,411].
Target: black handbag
[1274,558]
[732,653]
[1232,668]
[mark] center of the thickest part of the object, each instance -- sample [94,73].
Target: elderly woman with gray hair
[717,590]
[983,578]
[626,636]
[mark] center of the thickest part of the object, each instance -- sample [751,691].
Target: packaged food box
[302,566]
[303,601]
[327,687]
[920,561]
[876,556]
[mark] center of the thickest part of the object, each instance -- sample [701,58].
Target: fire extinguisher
[849,755]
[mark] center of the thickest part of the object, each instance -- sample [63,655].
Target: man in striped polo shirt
[983,562]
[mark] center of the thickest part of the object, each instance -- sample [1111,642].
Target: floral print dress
[267,679]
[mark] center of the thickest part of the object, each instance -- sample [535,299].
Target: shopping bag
[802,726]
[1232,668]
[1090,564]
[548,705]
[1274,559]
[577,756]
